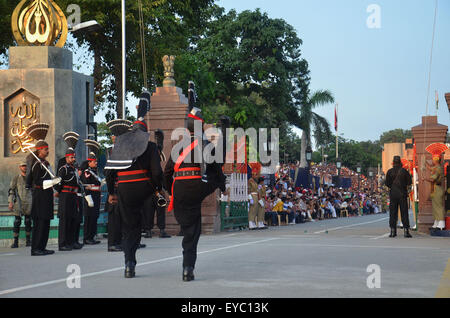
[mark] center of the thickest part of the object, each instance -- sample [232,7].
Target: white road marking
[8,254]
[62,280]
[381,236]
[364,246]
[351,225]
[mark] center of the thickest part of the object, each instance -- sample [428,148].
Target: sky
[378,76]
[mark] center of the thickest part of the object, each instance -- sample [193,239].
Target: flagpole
[124,83]
[337,129]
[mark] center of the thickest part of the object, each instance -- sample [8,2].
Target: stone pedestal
[41,84]
[169,111]
[430,131]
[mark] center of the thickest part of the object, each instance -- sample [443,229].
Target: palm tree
[312,122]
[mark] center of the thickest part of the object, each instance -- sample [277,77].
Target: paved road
[321,259]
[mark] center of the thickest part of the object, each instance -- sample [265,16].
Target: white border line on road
[8,254]
[62,280]
[381,236]
[351,225]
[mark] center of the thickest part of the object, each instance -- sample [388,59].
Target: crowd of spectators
[288,204]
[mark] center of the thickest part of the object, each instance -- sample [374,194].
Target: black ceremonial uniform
[92,183]
[42,199]
[91,214]
[68,206]
[41,207]
[398,179]
[137,166]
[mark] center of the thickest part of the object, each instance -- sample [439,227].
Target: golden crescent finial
[39,22]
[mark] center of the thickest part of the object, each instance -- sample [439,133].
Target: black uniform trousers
[91,216]
[78,218]
[395,202]
[148,214]
[39,234]
[114,225]
[68,219]
[132,196]
[188,196]
[41,213]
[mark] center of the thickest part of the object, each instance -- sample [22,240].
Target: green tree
[313,124]
[395,135]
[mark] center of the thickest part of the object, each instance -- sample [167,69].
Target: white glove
[261,203]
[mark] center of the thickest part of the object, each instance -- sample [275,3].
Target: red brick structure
[169,111]
[430,131]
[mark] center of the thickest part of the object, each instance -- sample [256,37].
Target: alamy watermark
[259,148]
[374,279]
[74,279]
[374,19]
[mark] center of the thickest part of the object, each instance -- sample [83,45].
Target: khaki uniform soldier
[19,199]
[261,203]
[253,211]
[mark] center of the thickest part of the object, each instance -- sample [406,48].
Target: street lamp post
[308,160]
[338,166]
[371,179]
[358,170]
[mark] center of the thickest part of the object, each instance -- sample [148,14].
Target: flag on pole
[437,100]
[335,118]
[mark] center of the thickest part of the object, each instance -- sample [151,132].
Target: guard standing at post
[19,200]
[188,186]
[68,205]
[135,160]
[397,180]
[92,183]
[253,195]
[117,127]
[41,181]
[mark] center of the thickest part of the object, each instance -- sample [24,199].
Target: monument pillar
[428,132]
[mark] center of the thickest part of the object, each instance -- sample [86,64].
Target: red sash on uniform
[176,168]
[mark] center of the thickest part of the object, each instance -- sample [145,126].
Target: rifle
[47,183]
[88,197]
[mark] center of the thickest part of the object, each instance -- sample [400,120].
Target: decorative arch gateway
[40,23]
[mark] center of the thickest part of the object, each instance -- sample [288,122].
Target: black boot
[163,234]
[188,274]
[129,270]
[28,242]
[15,244]
[407,234]
[393,232]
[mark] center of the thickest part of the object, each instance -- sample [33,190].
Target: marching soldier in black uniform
[117,128]
[92,183]
[188,186]
[68,206]
[136,163]
[40,180]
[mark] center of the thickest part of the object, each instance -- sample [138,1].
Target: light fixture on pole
[308,154]
[339,165]
[358,169]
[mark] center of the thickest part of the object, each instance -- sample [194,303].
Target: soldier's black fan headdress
[194,113]
[119,126]
[142,109]
[71,140]
[38,132]
[93,149]
[133,143]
